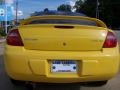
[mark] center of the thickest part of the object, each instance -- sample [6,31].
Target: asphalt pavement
[5,84]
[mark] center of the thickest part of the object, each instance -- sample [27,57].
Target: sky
[26,7]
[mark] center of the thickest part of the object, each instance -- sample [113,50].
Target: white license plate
[64,66]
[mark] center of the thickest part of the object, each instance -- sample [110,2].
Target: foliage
[87,7]
[46,10]
[109,10]
[2,32]
[64,7]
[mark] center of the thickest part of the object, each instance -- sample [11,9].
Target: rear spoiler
[98,22]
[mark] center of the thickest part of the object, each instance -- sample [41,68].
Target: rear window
[63,21]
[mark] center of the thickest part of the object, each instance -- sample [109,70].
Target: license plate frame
[64,66]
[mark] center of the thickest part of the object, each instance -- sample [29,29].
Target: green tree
[64,7]
[88,7]
[109,10]
[46,10]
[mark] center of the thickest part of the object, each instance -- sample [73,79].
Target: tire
[95,84]
[17,82]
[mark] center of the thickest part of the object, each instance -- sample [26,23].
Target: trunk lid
[55,37]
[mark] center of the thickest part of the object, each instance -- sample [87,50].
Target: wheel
[95,84]
[17,82]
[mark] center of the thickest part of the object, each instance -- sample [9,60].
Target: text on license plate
[64,66]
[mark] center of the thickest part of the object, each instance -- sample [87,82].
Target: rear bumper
[31,65]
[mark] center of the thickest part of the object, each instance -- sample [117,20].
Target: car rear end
[61,53]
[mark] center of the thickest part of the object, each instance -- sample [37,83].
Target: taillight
[110,41]
[13,38]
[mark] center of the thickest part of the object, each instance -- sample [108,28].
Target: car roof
[57,13]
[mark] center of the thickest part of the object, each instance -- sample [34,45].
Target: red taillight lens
[110,41]
[13,38]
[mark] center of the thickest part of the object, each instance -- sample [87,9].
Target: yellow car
[61,49]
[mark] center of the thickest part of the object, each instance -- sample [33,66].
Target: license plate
[64,66]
